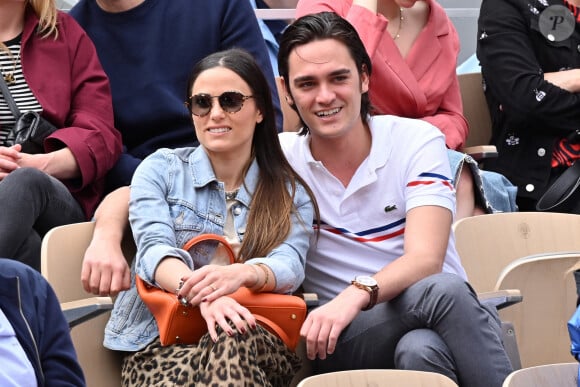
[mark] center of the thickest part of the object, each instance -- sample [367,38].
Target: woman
[50,66]
[413,46]
[529,58]
[237,184]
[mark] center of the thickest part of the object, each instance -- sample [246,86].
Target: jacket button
[541,152]
[530,187]
[578,48]
[237,211]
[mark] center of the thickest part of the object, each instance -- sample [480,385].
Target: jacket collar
[203,174]
[30,24]
[429,49]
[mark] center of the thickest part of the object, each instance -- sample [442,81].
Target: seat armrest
[481,152]
[77,312]
[500,299]
[311,299]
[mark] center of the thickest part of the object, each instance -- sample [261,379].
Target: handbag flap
[223,254]
[281,314]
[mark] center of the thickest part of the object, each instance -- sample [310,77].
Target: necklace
[9,75]
[231,195]
[401,18]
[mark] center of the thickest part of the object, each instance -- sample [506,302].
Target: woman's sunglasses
[230,101]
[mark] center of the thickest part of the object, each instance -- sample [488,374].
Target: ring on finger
[212,286]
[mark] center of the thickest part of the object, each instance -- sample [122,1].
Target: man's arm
[105,269]
[426,238]
[58,359]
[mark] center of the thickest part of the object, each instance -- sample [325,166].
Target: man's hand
[105,270]
[324,324]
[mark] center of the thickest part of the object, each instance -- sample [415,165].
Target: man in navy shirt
[148,48]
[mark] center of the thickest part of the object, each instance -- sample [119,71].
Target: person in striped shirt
[50,66]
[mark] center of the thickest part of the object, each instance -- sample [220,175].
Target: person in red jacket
[50,66]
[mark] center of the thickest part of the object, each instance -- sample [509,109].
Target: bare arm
[60,164]
[568,80]
[105,269]
[426,238]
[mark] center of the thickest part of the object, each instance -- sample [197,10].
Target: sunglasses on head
[230,101]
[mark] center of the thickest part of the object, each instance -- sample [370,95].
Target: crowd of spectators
[168,122]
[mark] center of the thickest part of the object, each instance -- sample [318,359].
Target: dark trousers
[436,325]
[32,203]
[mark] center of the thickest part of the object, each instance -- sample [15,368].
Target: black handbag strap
[8,98]
[561,189]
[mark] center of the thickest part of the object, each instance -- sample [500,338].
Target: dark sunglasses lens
[200,104]
[231,101]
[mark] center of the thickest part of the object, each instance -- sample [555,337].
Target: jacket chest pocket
[189,222]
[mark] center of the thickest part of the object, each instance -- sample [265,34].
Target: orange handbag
[280,314]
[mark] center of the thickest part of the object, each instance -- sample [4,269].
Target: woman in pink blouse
[413,46]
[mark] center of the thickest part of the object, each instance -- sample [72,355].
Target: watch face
[365,280]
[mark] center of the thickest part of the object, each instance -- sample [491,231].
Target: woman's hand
[568,80]
[60,164]
[9,159]
[224,310]
[210,282]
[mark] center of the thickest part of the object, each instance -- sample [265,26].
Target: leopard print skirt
[256,358]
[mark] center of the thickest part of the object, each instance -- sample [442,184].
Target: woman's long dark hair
[269,219]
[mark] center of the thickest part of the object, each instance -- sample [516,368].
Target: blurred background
[463,13]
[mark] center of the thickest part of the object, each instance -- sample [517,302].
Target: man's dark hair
[320,26]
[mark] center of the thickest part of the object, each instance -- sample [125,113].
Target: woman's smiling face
[220,131]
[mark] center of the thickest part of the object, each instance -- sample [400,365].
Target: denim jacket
[175,196]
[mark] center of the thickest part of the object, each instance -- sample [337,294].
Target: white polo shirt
[363,225]
[16,370]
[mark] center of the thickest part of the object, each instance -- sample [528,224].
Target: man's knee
[424,350]
[447,284]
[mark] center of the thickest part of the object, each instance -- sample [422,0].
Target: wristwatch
[369,284]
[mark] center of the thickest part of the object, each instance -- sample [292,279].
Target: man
[271,29]
[148,48]
[35,344]
[391,285]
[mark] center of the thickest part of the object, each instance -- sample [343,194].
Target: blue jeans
[494,192]
[435,325]
[31,203]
